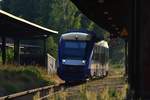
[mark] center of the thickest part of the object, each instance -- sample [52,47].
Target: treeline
[60,15]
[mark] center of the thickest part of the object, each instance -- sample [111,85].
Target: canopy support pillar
[16,51]
[3,48]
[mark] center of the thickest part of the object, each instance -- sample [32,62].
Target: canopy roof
[15,27]
[112,15]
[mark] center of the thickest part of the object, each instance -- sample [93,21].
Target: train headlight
[83,61]
[63,61]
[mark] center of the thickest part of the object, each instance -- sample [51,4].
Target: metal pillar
[44,46]
[16,52]
[3,48]
[133,59]
[45,52]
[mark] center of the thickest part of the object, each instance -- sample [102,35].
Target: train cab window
[75,44]
[74,50]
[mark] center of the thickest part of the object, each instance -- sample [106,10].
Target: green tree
[64,15]
[52,47]
[23,8]
[60,15]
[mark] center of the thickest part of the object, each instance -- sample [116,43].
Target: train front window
[74,50]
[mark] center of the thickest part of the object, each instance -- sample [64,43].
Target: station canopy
[15,27]
[111,15]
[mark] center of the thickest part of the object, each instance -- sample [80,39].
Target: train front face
[74,54]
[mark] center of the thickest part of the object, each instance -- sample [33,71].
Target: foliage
[116,65]
[117,51]
[24,78]
[52,47]
[9,55]
[106,93]
[60,15]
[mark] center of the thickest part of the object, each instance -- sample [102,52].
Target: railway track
[110,88]
[46,92]
[39,93]
[54,91]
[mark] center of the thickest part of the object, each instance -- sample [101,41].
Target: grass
[19,78]
[106,92]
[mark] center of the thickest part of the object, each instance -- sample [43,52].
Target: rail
[34,94]
[44,93]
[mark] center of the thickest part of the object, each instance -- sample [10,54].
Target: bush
[14,79]
[117,66]
[9,55]
[10,88]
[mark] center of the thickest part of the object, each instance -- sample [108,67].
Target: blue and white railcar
[75,54]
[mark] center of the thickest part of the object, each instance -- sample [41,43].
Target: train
[81,56]
[100,59]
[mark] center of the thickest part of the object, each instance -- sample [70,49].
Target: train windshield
[74,50]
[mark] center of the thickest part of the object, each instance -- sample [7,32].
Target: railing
[42,93]
[51,64]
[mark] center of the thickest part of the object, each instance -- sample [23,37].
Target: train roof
[76,36]
[103,43]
